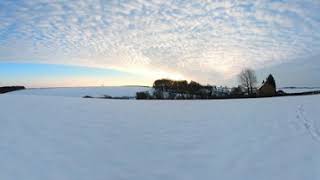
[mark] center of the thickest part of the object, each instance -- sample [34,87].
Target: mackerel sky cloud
[209,41]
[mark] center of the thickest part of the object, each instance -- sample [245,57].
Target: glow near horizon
[49,75]
[208,41]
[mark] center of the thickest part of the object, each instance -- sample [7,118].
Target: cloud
[190,39]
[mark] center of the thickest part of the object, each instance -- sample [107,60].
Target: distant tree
[248,79]
[180,86]
[162,84]
[270,80]
[194,87]
[237,91]
[158,94]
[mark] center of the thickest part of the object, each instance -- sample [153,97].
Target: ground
[115,91]
[65,138]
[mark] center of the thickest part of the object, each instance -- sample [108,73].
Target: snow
[115,91]
[65,138]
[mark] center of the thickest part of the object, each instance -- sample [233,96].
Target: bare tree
[248,79]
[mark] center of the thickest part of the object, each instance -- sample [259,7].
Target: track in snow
[308,124]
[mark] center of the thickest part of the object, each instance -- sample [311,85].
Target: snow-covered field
[115,91]
[60,138]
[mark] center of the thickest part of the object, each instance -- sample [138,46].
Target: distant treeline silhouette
[6,89]
[182,89]
[181,86]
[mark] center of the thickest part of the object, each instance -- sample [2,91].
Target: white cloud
[195,39]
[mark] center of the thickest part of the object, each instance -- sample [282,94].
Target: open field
[73,138]
[114,91]
[119,91]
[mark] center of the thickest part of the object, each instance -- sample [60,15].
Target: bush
[121,97]
[143,95]
[87,97]
[107,97]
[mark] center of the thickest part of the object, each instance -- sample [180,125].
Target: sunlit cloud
[203,40]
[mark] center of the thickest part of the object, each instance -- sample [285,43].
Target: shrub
[143,95]
[87,97]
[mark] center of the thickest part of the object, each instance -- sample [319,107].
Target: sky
[51,75]
[119,42]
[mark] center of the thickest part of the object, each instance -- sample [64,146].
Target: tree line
[182,89]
